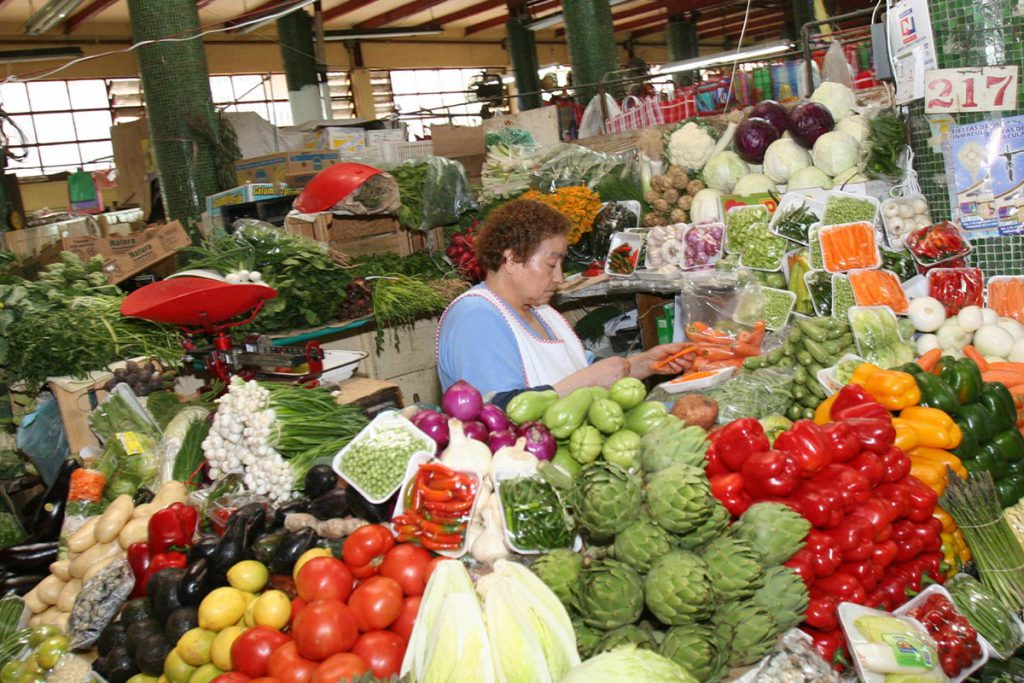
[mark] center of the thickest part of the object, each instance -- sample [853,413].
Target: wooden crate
[373,395]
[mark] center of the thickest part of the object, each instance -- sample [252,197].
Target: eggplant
[50,515]
[143,496]
[301,505]
[195,583]
[28,556]
[320,479]
[203,550]
[23,483]
[331,505]
[266,545]
[375,513]
[292,547]
[19,583]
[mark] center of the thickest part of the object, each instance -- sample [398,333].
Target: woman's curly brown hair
[521,226]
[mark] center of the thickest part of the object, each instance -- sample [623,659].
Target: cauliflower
[690,146]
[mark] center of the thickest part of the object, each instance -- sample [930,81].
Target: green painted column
[592,49]
[681,36]
[522,49]
[803,12]
[295,31]
[970,33]
[184,131]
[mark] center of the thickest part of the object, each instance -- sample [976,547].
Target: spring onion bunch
[271,434]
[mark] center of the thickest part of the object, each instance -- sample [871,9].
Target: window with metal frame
[424,97]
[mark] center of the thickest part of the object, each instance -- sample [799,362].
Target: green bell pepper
[978,421]
[935,393]
[530,405]
[910,368]
[963,377]
[968,447]
[645,417]
[1009,489]
[996,398]
[975,466]
[1010,444]
[621,448]
[566,414]
[585,444]
[628,392]
[606,415]
[1018,487]
[992,460]
[1016,466]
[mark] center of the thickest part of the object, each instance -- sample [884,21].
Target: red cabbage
[433,424]
[773,112]
[475,430]
[500,439]
[752,138]
[539,440]
[808,122]
[462,401]
[493,418]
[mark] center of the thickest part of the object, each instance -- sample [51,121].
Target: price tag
[990,88]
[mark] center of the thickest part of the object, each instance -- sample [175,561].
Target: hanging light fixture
[553,20]
[49,15]
[751,52]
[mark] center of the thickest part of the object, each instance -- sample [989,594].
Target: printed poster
[909,26]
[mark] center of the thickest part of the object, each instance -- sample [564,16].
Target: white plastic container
[500,477]
[759,208]
[848,615]
[850,195]
[411,471]
[635,242]
[895,228]
[1017,315]
[901,309]
[340,365]
[792,200]
[700,229]
[819,309]
[827,376]
[681,385]
[921,598]
[743,305]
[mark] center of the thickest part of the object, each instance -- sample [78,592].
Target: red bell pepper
[933,567]
[172,528]
[895,465]
[168,560]
[714,465]
[853,487]
[841,441]
[896,497]
[728,489]
[853,401]
[829,644]
[770,473]
[867,573]
[879,599]
[805,442]
[884,553]
[876,435]
[138,559]
[876,512]
[823,552]
[821,610]
[818,505]
[900,582]
[922,500]
[803,563]
[884,535]
[908,543]
[844,587]
[737,441]
[853,538]
[868,464]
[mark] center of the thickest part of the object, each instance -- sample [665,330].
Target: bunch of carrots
[710,349]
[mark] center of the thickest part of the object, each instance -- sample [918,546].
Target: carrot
[1010,379]
[973,354]
[878,288]
[1006,367]
[687,349]
[691,376]
[715,353]
[845,247]
[1006,297]
[928,360]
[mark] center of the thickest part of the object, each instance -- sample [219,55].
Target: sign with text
[990,88]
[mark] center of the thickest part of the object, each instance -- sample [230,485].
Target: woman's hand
[602,373]
[642,364]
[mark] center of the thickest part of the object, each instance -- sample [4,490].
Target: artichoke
[746,631]
[586,638]
[670,442]
[716,523]
[734,568]
[640,543]
[775,531]
[695,648]
[606,498]
[609,594]
[559,570]
[784,594]
[630,634]
[678,589]
[679,498]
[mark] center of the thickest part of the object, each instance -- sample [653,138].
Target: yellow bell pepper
[893,389]
[935,429]
[931,473]
[940,458]
[955,552]
[948,525]
[906,435]
[963,551]
[823,413]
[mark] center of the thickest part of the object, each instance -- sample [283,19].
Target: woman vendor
[502,336]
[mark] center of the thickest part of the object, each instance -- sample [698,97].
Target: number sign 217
[990,88]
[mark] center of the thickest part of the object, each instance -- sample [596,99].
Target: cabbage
[856,126]
[723,170]
[706,206]
[835,152]
[753,183]
[783,158]
[850,175]
[628,663]
[837,97]
[809,177]
[753,136]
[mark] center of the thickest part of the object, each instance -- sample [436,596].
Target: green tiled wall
[970,33]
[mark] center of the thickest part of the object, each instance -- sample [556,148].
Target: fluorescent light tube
[553,20]
[49,15]
[275,14]
[724,57]
[40,55]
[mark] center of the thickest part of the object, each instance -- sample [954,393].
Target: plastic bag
[98,603]
[41,435]
[835,67]
[794,660]
[754,394]
[378,194]
[592,121]
[507,172]
[565,165]
[130,457]
[446,193]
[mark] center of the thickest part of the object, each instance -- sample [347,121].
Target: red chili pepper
[737,441]
[436,546]
[442,537]
[806,443]
[449,507]
[435,495]
[770,473]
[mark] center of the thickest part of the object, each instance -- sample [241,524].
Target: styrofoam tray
[851,195]
[635,242]
[411,470]
[819,310]
[878,254]
[895,237]
[501,476]
[388,417]
[680,386]
[714,258]
[848,614]
[747,207]
[791,200]
[986,649]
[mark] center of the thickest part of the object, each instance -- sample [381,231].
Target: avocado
[181,620]
[163,591]
[118,666]
[139,631]
[151,653]
[114,635]
[136,610]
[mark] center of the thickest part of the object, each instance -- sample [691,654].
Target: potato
[34,620]
[114,518]
[171,492]
[49,589]
[49,616]
[135,531]
[61,569]
[97,568]
[85,537]
[101,551]
[66,599]
[36,605]
[62,620]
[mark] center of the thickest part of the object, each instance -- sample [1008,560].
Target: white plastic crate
[397,152]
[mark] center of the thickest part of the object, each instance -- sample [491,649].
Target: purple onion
[475,430]
[539,440]
[462,401]
[500,439]
[433,424]
[493,418]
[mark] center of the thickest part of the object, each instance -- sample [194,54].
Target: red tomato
[365,547]
[324,578]
[283,583]
[383,651]
[251,651]
[297,605]
[324,628]
[407,619]
[340,667]
[431,566]
[406,563]
[377,602]
[287,664]
[232,677]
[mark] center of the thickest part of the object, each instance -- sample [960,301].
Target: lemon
[221,608]
[248,618]
[220,651]
[176,669]
[307,556]
[194,647]
[249,575]
[205,674]
[273,609]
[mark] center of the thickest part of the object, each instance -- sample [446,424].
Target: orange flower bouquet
[577,203]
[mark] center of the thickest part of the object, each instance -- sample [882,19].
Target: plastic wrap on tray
[957,287]
[937,244]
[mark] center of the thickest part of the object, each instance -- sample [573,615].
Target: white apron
[544,361]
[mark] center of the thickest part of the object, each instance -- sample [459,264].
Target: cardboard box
[127,255]
[274,168]
[464,144]
[250,192]
[362,235]
[347,141]
[30,242]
